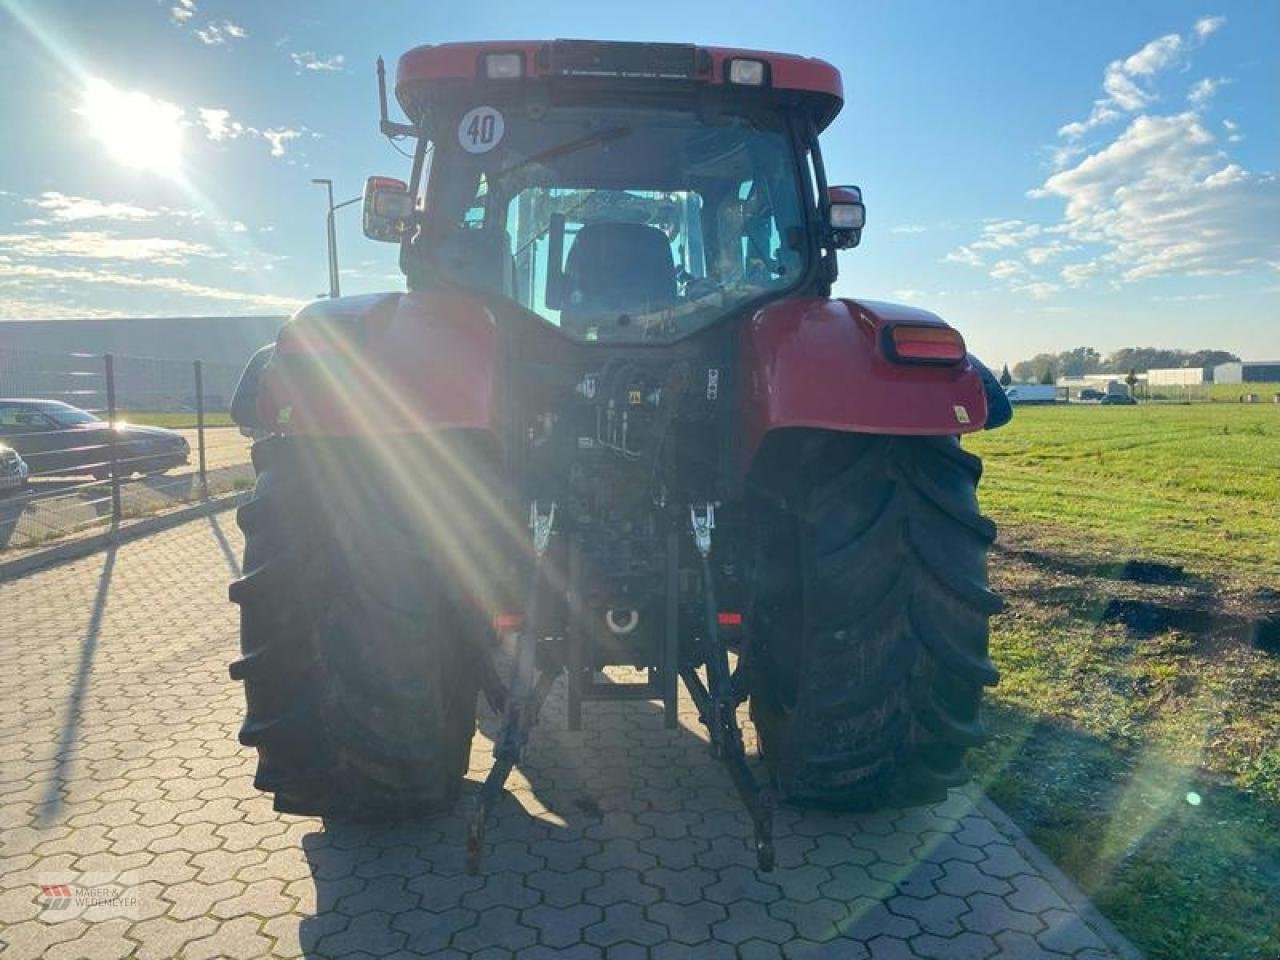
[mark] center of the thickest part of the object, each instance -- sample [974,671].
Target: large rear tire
[360,665]
[869,632]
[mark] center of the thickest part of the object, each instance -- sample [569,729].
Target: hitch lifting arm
[524,697]
[717,702]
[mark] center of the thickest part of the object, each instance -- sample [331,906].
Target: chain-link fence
[90,440]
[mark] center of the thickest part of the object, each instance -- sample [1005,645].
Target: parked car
[1118,400]
[55,438]
[13,470]
[1023,393]
[1091,395]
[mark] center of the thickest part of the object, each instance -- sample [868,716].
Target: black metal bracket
[523,700]
[717,703]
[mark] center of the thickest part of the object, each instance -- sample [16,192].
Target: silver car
[13,470]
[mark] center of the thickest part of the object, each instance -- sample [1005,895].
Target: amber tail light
[907,343]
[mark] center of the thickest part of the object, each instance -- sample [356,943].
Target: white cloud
[278,137]
[218,33]
[1126,82]
[218,124]
[68,209]
[1202,91]
[997,235]
[309,60]
[1038,256]
[33,278]
[182,11]
[1008,270]
[964,255]
[104,245]
[910,228]
[1161,199]
[1075,274]
[1155,56]
[1039,289]
[1208,25]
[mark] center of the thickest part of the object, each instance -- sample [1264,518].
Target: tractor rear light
[729,618]
[907,343]
[504,66]
[748,73]
[507,622]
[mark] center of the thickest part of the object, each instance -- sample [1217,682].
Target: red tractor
[618,417]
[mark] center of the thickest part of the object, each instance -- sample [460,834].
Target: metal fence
[107,438]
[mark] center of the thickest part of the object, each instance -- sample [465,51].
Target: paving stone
[623,842]
[563,889]
[621,886]
[939,914]
[990,914]
[749,920]
[801,949]
[885,947]
[495,927]
[427,933]
[1003,861]
[966,946]
[964,880]
[818,920]
[163,938]
[561,926]
[369,932]
[1067,933]
[239,938]
[687,923]
[1035,895]
[579,951]
[740,883]
[1014,945]
[624,923]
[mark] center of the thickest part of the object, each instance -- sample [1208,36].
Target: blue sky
[1043,175]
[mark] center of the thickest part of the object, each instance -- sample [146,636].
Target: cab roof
[586,60]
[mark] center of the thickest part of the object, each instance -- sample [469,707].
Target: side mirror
[388,209]
[847,217]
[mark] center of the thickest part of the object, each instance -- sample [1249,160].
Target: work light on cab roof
[616,419]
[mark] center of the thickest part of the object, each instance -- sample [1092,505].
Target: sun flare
[138,130]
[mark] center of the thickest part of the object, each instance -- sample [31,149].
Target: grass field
[1217,392]
[175,421]
[1137,723]
[1196,484]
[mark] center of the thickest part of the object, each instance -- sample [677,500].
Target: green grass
[1137,724]
[1197,484]
[1232,392]
[175,421]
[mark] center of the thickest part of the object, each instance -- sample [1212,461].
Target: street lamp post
[335,290]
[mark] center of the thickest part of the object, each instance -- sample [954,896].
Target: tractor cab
[620,192]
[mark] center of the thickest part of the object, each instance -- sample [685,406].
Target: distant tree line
[1046,367]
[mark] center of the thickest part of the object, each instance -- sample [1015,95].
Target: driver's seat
[614,269]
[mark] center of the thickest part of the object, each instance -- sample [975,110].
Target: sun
[138,130]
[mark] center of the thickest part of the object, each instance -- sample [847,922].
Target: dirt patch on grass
[1137,740]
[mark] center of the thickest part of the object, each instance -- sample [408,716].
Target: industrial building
[1247,371]
[1178,377]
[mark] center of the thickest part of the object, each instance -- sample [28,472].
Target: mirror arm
[389,127]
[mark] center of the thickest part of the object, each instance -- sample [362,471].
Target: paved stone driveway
[118,759]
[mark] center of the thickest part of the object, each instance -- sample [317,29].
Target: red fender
[813,362]
[385,364]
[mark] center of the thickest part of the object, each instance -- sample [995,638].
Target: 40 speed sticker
[480,129]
